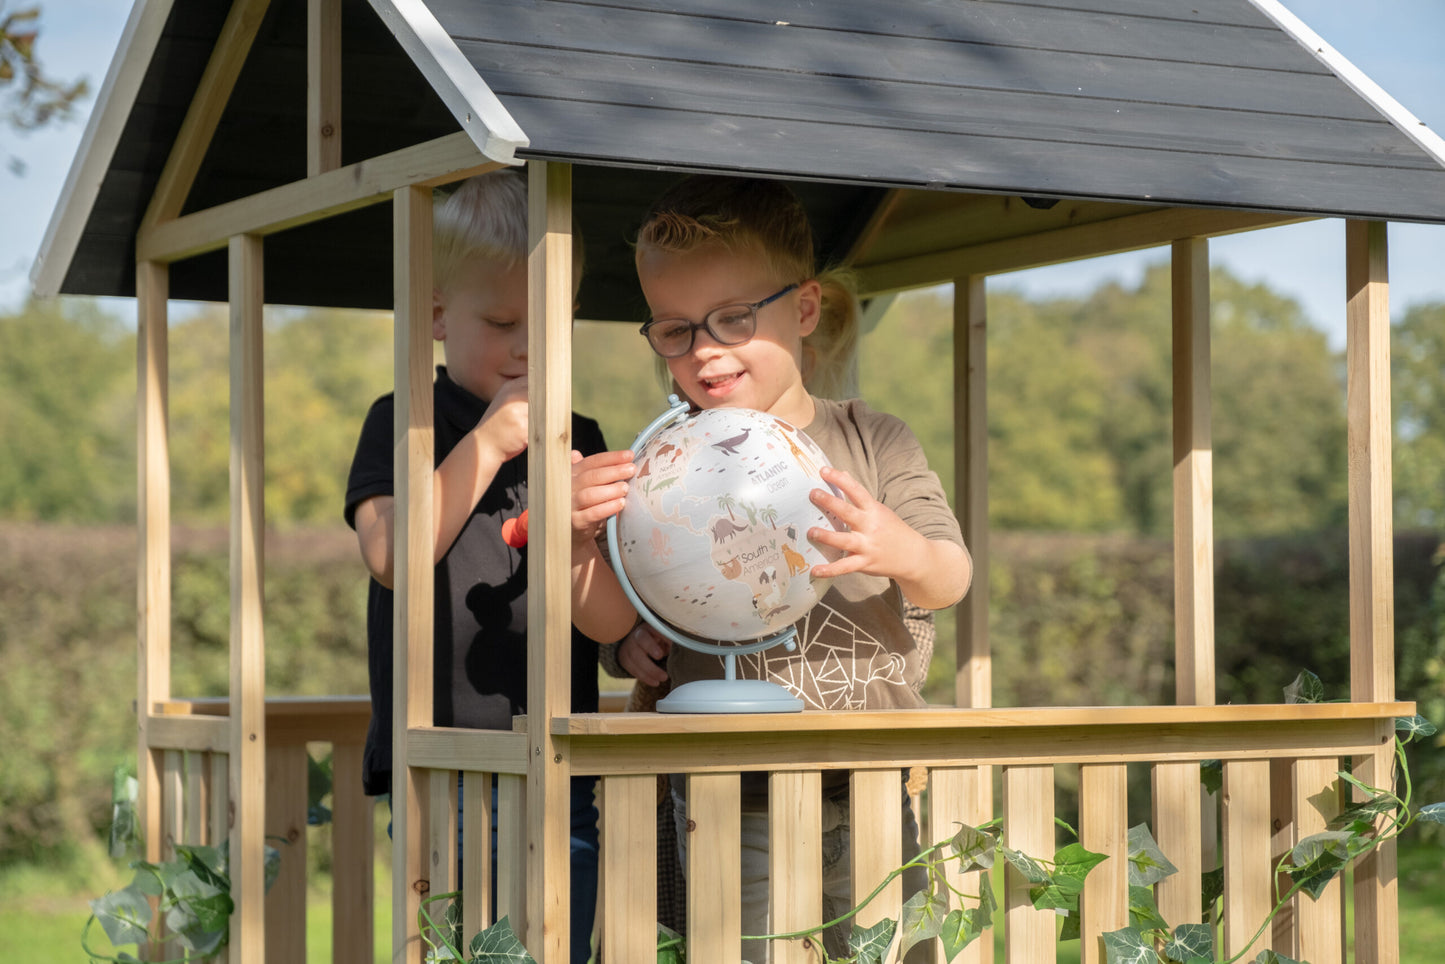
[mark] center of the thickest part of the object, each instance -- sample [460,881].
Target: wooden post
[549,598]
[248,650]
[414,570]
[153,589]
[323,86]
[1371,525]
[973,679]
[1183,816]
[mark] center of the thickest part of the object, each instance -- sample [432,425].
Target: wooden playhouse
[284,151]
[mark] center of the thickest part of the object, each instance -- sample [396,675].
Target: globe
[713,535]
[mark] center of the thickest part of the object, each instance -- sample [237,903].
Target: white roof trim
[115,98]
[466,95]
[1410,125]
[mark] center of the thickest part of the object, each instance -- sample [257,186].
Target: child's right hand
[599,489]
[504,425]
[642,653]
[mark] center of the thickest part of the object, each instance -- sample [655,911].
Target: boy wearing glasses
[727,268]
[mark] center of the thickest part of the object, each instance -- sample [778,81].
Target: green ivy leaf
[1144,912]
[1128,946]
[200,913]
[1032,870]
[974,848]
[498,944]
[1414,727]
[1211,774]
[207,863]
[1358,784]
[1306,688]
[1191,943]
[1072,864]
[124,915]
[1317,859]
[1432,813]
[1053,897]
[922,919]
[671,948]
[1147,863]
[1273,957]
[124,826]
[869,945]
[1360,818]
[987,903]
[959,929]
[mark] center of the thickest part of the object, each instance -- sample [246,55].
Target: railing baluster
[195,797]
[1247,869]
[477,853]
[714,891]
[962,795]
[876,842]
[286,778]
[1315,801]
[1104,829]
[795,859]
[1178,829]
[442,828]
[629,867]
[353,848]
[512,850]
[1028,826]
[172,803]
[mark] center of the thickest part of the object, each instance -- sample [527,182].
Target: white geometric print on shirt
[839,661]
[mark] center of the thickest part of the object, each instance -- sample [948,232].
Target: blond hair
[767,219]
[486,217]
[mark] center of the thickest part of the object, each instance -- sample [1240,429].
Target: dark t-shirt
[480,627]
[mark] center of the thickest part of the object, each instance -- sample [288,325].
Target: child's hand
[504,425]
[599,489]
[877,541]
[639,653]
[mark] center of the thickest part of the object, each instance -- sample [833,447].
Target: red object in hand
[514,531]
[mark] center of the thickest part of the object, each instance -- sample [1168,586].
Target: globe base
[730,696]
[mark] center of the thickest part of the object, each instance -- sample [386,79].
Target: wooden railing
[195,808]
[1280,784]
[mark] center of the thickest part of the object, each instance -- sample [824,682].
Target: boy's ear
[438,316]
[810,306]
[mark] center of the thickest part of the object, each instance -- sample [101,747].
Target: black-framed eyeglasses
[728,325]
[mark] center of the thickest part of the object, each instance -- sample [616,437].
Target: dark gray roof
[1160,102]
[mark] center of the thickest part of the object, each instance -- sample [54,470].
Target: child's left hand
[877,541]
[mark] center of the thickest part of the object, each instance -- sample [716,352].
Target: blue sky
[1398,43]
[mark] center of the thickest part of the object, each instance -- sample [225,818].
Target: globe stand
[726,695]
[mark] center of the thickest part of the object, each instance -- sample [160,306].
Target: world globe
[714,532]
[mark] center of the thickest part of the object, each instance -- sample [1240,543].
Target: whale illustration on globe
[713,535]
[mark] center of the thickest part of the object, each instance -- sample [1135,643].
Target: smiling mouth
[720,381]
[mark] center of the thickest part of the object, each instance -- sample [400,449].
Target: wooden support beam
[1131,233]
[1371,527]
[549,591]
[153,588]
[1193,477]
[323,86]
[973,676]
[414,572]
[248,649]
[228,56]
[441,161]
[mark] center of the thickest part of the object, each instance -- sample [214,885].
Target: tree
[1419,404]
[29,98]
